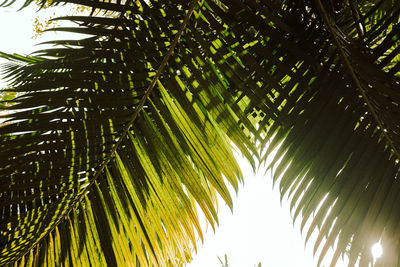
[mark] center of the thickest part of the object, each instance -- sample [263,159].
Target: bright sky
[15,29]
[260,228]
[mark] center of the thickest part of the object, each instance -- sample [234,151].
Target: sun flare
[377,250]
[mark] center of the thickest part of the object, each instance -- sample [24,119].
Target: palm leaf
[139,201]
[314,82]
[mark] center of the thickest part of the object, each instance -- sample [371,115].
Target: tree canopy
[113,140]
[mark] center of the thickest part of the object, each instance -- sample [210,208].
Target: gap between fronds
[125,131]
[355,79]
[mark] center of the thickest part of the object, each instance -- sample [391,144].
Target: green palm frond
[313,81]
[175,156]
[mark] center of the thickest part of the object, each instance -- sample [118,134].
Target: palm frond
[317,81]
[58,134]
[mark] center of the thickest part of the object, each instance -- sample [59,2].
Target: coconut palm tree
[115,141]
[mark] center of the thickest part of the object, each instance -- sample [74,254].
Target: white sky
[259,230]
[15,31]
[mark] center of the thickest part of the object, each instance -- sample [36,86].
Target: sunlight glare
[376,250]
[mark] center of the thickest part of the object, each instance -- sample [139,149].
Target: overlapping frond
[72,106]
[334,121]
[317,80]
